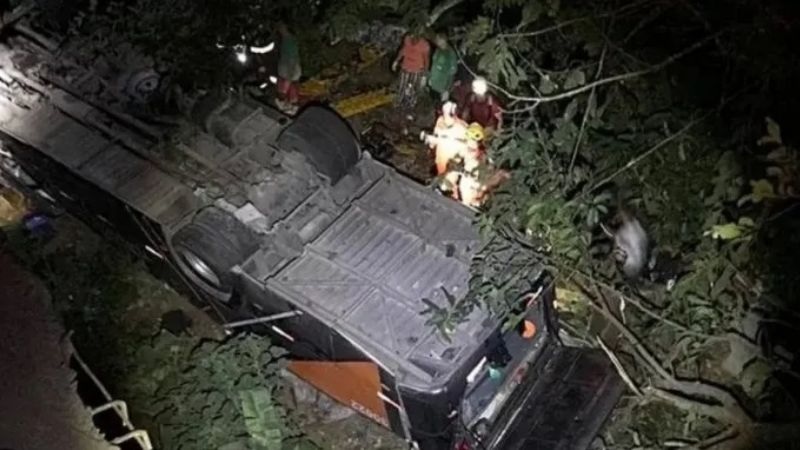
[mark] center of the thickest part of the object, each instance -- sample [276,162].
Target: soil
[390,135]
[40,407]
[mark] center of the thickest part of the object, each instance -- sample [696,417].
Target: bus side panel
[81,198]
[101,211]
[325,359]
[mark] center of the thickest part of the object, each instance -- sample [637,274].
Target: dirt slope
[39,408]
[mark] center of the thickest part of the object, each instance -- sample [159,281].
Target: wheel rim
[199,267]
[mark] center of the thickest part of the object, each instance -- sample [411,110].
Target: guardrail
[139,436]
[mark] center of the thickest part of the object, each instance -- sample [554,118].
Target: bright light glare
[263,85]
[265,49]
[273,79]
[479,86]
[241,56]
[153,252]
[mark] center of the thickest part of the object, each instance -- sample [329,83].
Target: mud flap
[565,402]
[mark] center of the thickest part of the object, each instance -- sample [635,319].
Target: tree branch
[686,403]
[586,113]
[666,141]
[650,151]
[612,79]
[569,22]
[440,9]
[724,407]
[718,438]
[620,368]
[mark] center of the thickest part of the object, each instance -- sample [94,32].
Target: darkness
[756,57]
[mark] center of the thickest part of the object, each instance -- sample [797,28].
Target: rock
[754,378]
[750,323]
[326,409]
[331,410]
[739,356]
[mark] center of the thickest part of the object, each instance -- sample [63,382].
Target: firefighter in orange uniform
[479,177]
[469,185]
[449,142]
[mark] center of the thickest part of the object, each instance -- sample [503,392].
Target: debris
[362,103]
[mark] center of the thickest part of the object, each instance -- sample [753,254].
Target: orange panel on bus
[355,384]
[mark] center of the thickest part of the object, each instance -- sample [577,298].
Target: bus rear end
[529,391]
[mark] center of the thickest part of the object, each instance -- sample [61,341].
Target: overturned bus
[261,214]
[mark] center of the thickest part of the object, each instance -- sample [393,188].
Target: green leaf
[723,282]
[725,232]
[262,418]
[746,222]
[555,6]
[432,308]
[451,299]
[762,189]
[546,86]
[773,133]
[531,12]
[574,79]
[300,444]
[571,110]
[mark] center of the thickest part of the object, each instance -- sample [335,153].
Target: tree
[597,108]
[191,42]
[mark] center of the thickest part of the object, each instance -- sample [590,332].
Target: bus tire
[209,247]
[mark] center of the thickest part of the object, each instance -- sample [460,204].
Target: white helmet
[480,86]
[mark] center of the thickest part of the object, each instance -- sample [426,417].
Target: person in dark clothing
[483,107]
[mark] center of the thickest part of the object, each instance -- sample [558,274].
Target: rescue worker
[460,92]
[470,188]
[444,65]
[479,177]
[483,107]
[289,69]
[413,60]
[449,142]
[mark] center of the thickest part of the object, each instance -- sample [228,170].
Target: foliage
[197,393]
[593,123]
[223,394]
[183,36]
[345,18]
[262,418]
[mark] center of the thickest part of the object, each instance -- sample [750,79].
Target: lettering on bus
[363,410]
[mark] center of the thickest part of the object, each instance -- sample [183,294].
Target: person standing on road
[289,69]
[413,59]
[444,65]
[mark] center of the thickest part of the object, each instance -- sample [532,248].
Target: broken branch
[620,368]
[589,102]
[440,9]
[615,78]
[569,22]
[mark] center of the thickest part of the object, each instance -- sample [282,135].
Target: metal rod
[272,318]
[89,372]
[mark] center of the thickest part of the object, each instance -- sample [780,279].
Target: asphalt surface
[39,407]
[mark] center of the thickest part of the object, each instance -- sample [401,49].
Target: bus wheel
[209,247]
